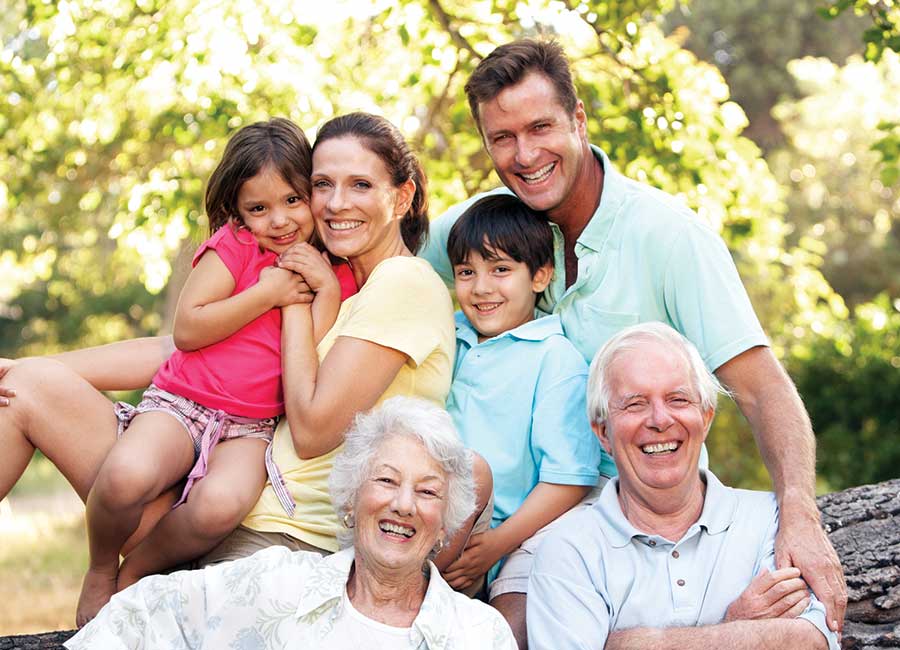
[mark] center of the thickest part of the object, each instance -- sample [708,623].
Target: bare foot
[96,590]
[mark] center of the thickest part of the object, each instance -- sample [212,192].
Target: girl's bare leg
[154,453]
[216,505]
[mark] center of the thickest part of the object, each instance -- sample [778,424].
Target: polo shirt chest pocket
[588,327]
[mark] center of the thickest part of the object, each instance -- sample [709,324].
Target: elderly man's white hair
[417,419]
[631,339]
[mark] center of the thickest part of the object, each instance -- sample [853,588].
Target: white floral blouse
[274,599]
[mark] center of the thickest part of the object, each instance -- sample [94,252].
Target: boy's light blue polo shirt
[644,256]
[518,399]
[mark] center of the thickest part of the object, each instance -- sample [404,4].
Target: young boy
[518,392]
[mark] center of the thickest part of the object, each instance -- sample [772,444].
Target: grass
[43,553]
[41,477]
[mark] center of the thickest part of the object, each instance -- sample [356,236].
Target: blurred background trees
[113,113]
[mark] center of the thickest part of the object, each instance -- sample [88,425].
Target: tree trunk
[864,526]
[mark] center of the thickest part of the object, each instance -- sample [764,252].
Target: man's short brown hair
[509,64]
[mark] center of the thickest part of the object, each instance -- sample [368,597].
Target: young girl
[223,384]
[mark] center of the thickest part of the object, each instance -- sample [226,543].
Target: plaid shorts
[206,427]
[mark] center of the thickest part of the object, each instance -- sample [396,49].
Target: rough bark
[864,526]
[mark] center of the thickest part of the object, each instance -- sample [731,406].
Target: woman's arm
[125,365]
[207,312]
[321,401]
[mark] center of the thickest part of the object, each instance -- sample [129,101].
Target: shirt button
[680,583]
[675,554]
[651,543]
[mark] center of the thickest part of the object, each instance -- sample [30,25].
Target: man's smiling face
[538,149]
[656,425]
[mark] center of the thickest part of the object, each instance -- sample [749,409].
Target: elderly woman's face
[400,506]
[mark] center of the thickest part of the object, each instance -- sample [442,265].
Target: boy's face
[498,294]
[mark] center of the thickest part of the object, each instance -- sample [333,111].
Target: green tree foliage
[852,388]
[837,201]
[114,112]
[751,43]
[883,35]
[884,31]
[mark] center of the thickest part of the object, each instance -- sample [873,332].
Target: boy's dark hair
[279,143]
[508,64]
[501,222]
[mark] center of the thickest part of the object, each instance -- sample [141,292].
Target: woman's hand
[481,553]
[285,287]
[6,393]
[776,594]
[314,266]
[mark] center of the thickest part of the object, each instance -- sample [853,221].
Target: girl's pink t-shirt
[240,374]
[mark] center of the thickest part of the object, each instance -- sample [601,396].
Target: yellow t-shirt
[403,305]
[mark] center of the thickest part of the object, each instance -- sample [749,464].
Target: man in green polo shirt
[627,253]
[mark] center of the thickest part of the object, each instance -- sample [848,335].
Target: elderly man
[667,557]
[627,253]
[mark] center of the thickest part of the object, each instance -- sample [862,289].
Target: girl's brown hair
[279,143]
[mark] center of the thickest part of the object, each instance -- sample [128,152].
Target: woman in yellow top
[394,337]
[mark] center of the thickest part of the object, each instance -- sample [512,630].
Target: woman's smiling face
[400,507]
[356,206]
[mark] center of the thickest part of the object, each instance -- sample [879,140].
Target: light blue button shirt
[596,573]
[644,256]
[518,399]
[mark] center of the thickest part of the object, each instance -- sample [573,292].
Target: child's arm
[544,503]
[316,270]
[207,312]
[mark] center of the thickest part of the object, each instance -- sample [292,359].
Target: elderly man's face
[655,427]
[536,146]
[400,507]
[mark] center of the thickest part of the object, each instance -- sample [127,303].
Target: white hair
[632,338]
[416,419]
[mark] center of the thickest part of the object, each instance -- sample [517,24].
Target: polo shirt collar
[597,229]
[323,591]
[534,330]
[719,506]
[718,512]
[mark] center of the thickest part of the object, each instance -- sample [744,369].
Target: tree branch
[445,20]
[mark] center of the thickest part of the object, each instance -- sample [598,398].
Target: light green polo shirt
[644,256]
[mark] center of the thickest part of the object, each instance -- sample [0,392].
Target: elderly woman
[403,484]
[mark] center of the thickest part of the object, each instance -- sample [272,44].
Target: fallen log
[864,526]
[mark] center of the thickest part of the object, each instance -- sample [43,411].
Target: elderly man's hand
[480,554]
[779,594]
[6,393]
[802,543]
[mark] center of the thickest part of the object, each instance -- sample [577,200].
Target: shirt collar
[718,511]
[534,330]
[324,589]
[326,583]
[597,229]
